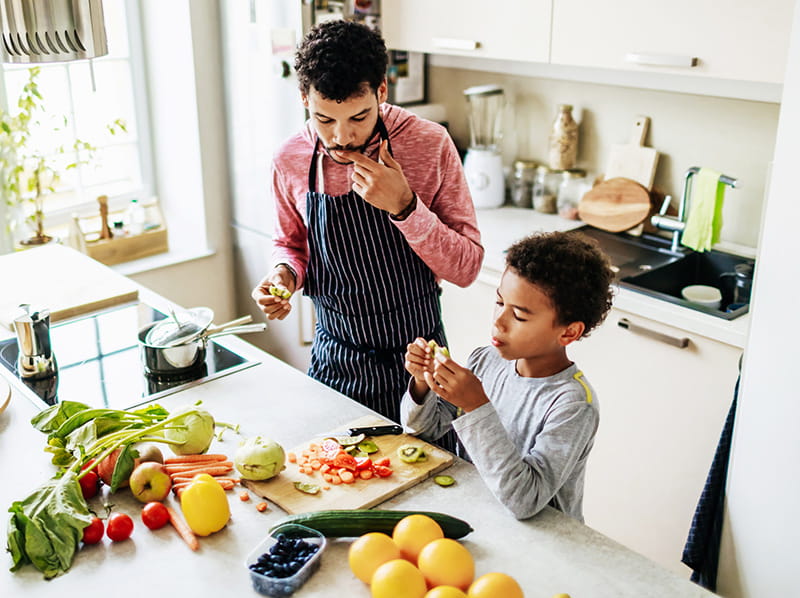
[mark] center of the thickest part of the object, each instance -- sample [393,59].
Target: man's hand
[456,384]
[274,306]
[418,362]
[382,185]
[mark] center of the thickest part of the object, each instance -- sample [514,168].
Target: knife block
[123,248]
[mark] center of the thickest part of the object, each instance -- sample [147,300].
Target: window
[82,101]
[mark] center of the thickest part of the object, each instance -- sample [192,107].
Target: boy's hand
[418,362]
[456,384]
[268,293]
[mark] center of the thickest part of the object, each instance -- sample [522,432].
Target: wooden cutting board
[362,494]
[63,280]
[632,160]
[615,205]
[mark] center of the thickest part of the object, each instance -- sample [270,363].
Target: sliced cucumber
[444,480]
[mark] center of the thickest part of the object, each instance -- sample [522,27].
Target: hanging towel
[704,221]
[701,551]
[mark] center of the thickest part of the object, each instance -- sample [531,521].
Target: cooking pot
[184,356]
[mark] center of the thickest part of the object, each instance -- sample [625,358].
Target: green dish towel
[704,221]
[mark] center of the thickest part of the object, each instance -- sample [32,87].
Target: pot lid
[180,328]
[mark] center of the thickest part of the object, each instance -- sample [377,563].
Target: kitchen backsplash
[735,137]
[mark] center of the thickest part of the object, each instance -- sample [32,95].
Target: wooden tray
[362,494]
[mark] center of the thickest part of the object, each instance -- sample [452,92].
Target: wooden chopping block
[615,205]
[632,160]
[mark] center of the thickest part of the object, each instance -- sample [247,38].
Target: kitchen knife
[376,430]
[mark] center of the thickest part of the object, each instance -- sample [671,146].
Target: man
[372,211]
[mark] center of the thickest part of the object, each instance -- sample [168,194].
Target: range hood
[36,31]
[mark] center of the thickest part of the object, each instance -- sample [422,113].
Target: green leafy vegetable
[46,528]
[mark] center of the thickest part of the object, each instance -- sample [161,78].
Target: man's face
[346,125]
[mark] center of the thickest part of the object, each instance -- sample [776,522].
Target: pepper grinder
[105,231]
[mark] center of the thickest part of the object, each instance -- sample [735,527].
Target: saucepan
[167,354]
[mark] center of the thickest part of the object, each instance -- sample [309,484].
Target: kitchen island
[547,554]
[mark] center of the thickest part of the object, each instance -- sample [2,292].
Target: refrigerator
[263,108]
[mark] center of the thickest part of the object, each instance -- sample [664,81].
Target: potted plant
[27,174]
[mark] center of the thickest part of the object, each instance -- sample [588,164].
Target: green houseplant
[28,174]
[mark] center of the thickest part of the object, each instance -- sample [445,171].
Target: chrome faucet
[677,225]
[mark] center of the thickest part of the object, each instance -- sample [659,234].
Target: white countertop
[501,227]
[547,554]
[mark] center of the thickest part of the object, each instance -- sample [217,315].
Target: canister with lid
[545,189]
[574,184]
[521,183]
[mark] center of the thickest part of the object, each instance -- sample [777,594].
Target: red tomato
[385,462]
[93,532]
[120,527]
[344,460]
[88,464]
[383,471]
[155,515]
[90,484]
[363,463]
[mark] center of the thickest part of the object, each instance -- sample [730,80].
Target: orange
[495,585]
[397,579]
[369,552]
[445,592]
[413,532]
[445,562]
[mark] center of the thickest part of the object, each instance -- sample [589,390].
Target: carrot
[178,479]
[347,477]
[365,474]
[326,487]
[291,457]
[183,529]
[210,470]
[336,480]
[188,459]
[226,485]
[193,466]
[261,507]
[244,496]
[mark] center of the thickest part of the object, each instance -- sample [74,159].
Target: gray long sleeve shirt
[530,443]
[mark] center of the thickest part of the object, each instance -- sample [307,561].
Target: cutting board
[615,205]
[362,494]
[632,160]
[60,279]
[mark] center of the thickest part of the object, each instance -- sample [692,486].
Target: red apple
[150,482]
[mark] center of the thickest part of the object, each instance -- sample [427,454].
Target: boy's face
[347,125]
[525,325]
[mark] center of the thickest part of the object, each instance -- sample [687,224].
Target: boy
[524,412]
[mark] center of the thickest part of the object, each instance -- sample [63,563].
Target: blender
[483,165]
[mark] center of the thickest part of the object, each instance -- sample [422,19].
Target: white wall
[762,533]
[733,136]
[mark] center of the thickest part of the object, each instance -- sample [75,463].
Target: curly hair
[571,270]
[338,57]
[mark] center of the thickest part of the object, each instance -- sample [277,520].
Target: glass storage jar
[574,184]
[545,189]
[521,184]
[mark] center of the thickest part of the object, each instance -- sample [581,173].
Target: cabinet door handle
[675,341]
[448,43]
[645,59]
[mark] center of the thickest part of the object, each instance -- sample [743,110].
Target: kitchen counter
[547,554]
[502,226]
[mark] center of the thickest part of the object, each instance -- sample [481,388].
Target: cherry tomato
[155,515]
[119,527]
[383,471]
[90,484]
[93,532]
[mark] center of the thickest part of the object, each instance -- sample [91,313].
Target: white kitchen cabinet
[662,409]
[511,30]
[731,40]
[467,316]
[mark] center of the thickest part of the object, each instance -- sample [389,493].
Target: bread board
[60,279]
[361,494]
[632,160]
[615,205]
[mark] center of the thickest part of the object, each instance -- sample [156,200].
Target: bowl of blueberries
[285,560]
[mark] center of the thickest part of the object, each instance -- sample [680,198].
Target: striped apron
[372,295]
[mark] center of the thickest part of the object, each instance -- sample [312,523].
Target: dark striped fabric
[372,295]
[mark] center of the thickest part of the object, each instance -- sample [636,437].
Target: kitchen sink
[647,265]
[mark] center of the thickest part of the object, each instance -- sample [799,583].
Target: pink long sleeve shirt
[442,230]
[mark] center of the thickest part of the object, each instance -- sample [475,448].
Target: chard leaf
[77,420]
[52,418]
[124,466]
[46,528]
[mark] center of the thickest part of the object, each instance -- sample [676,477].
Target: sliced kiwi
[411,453]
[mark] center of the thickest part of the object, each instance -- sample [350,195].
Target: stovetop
[99,362]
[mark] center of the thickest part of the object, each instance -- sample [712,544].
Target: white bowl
[702,295]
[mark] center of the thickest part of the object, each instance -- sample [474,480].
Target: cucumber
[350,523]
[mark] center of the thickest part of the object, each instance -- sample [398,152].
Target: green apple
[150,482]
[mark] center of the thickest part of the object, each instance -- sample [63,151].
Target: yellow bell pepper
[205,505]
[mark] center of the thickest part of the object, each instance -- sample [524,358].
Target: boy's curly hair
[337,57]
[571,270]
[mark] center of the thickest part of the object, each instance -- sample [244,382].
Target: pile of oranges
[417,561]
